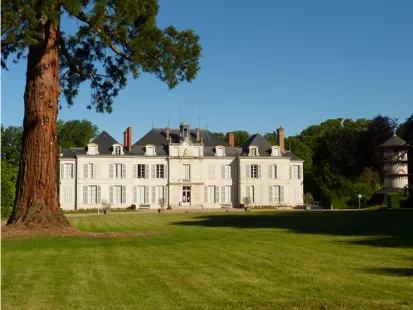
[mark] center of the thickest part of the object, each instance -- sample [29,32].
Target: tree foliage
[240,137]
[75,133]
[11,144]
[8,187]
[271,137]
[220,135]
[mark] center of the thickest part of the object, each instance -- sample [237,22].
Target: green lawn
[256,260]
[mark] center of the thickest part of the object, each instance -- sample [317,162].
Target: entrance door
[186,195]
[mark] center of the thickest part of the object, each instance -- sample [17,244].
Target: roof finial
[153,126]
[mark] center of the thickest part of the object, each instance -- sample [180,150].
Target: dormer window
[219,150]
[275,151]
[92,149]
[117,149]
[150,150]
[253,151]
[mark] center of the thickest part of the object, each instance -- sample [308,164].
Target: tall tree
[11,144]
[220,135]
[114,38]
[75,133]
[240,137]
[271,137]
[8,187]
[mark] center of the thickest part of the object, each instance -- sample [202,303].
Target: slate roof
[393,141]
[157,137]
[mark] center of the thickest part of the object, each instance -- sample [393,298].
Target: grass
[251,260]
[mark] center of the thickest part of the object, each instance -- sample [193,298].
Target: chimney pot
[198,135]
[231,139]
[167,136]
[280,132]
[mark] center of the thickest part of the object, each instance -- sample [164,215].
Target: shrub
[393,200]
[406,203]
[133,207]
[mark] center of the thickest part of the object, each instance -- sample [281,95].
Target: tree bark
[36,193]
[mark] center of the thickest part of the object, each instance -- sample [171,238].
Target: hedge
[395,200]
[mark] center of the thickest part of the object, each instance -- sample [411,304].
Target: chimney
[125,138]
[167,136]
[231,139]
[129,138]
[280,133]
[198,135]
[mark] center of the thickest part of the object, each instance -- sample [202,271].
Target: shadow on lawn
[397,272]
[391,228]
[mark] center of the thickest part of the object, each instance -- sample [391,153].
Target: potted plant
[106,207]
[247,202]
[162,205]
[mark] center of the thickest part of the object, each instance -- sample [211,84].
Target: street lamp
[359,196]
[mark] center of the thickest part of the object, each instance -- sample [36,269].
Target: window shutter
[62,171]
[146,171]
[281,193]
[270,171]
[222,171]
[248,173]
[123,171]
[223,194]
[153,194]
[213,172]
[85,195]
[217,194]
[85,168]
[259,171]
[153,171]
[270,194]
[123,194]
[135,194]
[275,171]
[291,172]
[135,172]
[230,171]
[205,193]
[248,191]
[299,172]
[165,171]
[111,194]
[146,194]
[166,194]
[95,171]
[110,171]
[71,171]
[98,198]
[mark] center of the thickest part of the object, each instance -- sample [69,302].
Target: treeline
[341,156]
[74,133]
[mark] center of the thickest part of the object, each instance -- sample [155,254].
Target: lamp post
[359,196]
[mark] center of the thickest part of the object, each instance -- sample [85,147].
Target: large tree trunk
[36,197]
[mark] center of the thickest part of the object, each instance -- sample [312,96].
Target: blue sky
[264,64]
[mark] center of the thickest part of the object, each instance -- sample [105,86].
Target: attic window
[150,150]
[219,151]
[92,149]
[275,151]
[117,150]
[253,151]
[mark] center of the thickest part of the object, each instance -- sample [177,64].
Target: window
[211,194]
[117,150]
[157,194]
[219,151]
[272,172]
[140,195]
[90,171]
[295,172]
[117,194]
[226,194]
[275,151]
[253,152]
[251,192]
[275,193]
[150,151]
[118,171]
[92,192]
[160,174]
[211,172]
[68,171]
[141,171]
[187,172]
[68,194]
[196,151]
[227,172]
[254,171]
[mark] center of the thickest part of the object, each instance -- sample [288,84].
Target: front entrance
[186,195]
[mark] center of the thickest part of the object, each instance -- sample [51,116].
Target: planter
[247,209]
[106,211]
[161,210]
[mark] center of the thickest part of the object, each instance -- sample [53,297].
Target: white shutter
[281,193]
[135,172]
[146,171]
[270,194]
[110,171]
[248,172]
[248,191]
[84,194]
[259,171]
[153,194]
[217,194]
[223,194]
[270,175]
[111,194]
[153,171]
[291,172]
[166,194]
[205,193]
[62,171]
[230,171]
[135,194]
[123,171]
[123,194]
[95,171]
[165,171]
[222,171]
[213,172]
[299,172]
[146,194]
[85,167]
[275,171]
[98,196]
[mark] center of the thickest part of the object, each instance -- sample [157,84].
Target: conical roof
[393,141]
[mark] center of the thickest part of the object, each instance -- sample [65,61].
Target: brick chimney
[231,139]
[280,132]
[167,136]
[198,135]
[129,139]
